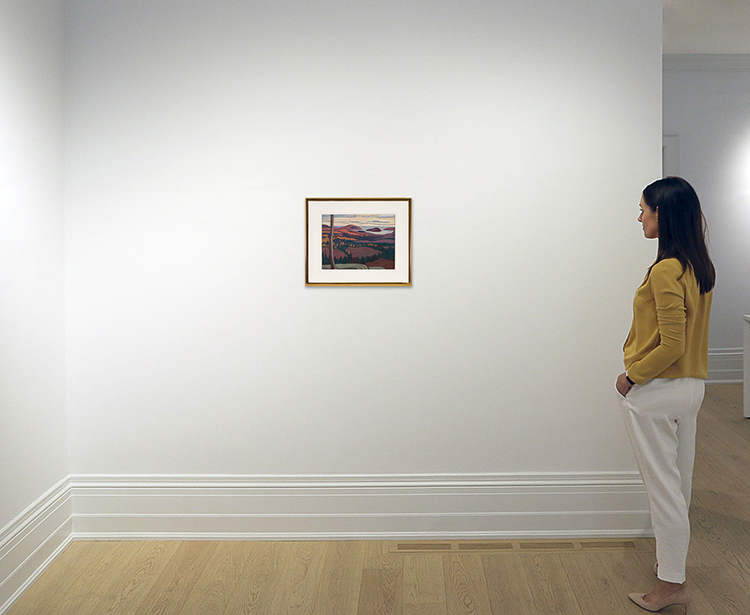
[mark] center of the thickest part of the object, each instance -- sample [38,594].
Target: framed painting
[358,241]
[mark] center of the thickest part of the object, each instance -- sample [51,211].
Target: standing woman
[666,362]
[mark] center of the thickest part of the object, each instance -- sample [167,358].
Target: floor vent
[612,545]
[484,546]
[523,546]
[547,546]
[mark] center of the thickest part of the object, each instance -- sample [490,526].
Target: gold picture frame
[368,244]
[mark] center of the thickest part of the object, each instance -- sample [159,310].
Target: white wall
[33,424]
[707,104]
[524,134]
[35,512]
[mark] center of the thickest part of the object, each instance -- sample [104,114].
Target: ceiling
[707,26]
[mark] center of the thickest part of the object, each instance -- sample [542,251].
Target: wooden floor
[557,577]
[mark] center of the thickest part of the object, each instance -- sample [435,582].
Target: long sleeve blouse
[669,334]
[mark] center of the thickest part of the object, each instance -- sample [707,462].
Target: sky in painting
[364,221]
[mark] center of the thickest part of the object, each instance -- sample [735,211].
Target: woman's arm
[669,295]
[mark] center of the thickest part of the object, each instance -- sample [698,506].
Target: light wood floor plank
[110,558]
[700,603]
[379,557]
[424,583]
[725,403]
[724,535]
[425,609]
[716,475]
[219,579]
[625,572]
[703,551]
[129,587]
[549,585]
[465,585]
[592,585]
[381,592]
[301,579]
[172,589]
[260,580]
[726,444]
[721,590]
[508,587]
[341,582]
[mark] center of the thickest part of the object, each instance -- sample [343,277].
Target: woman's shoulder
[669,267]
[668,271]
[670,274]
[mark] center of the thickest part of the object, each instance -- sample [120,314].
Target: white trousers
[661,417]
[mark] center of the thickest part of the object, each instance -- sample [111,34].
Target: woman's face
[649,218]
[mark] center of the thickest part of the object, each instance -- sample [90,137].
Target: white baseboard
[725,366]
[32,541]
[707,61]
[359,507]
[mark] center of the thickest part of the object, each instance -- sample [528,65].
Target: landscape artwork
[359,241]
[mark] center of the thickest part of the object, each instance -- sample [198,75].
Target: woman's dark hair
[682,228]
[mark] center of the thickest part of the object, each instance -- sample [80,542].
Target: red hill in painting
[363,252]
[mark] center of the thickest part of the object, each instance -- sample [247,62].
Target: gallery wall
[195,131]
[35,507]
[33,422]
[707,113]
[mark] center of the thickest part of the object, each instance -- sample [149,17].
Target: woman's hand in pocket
[622,385]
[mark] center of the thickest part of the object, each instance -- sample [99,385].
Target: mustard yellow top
[669,335]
